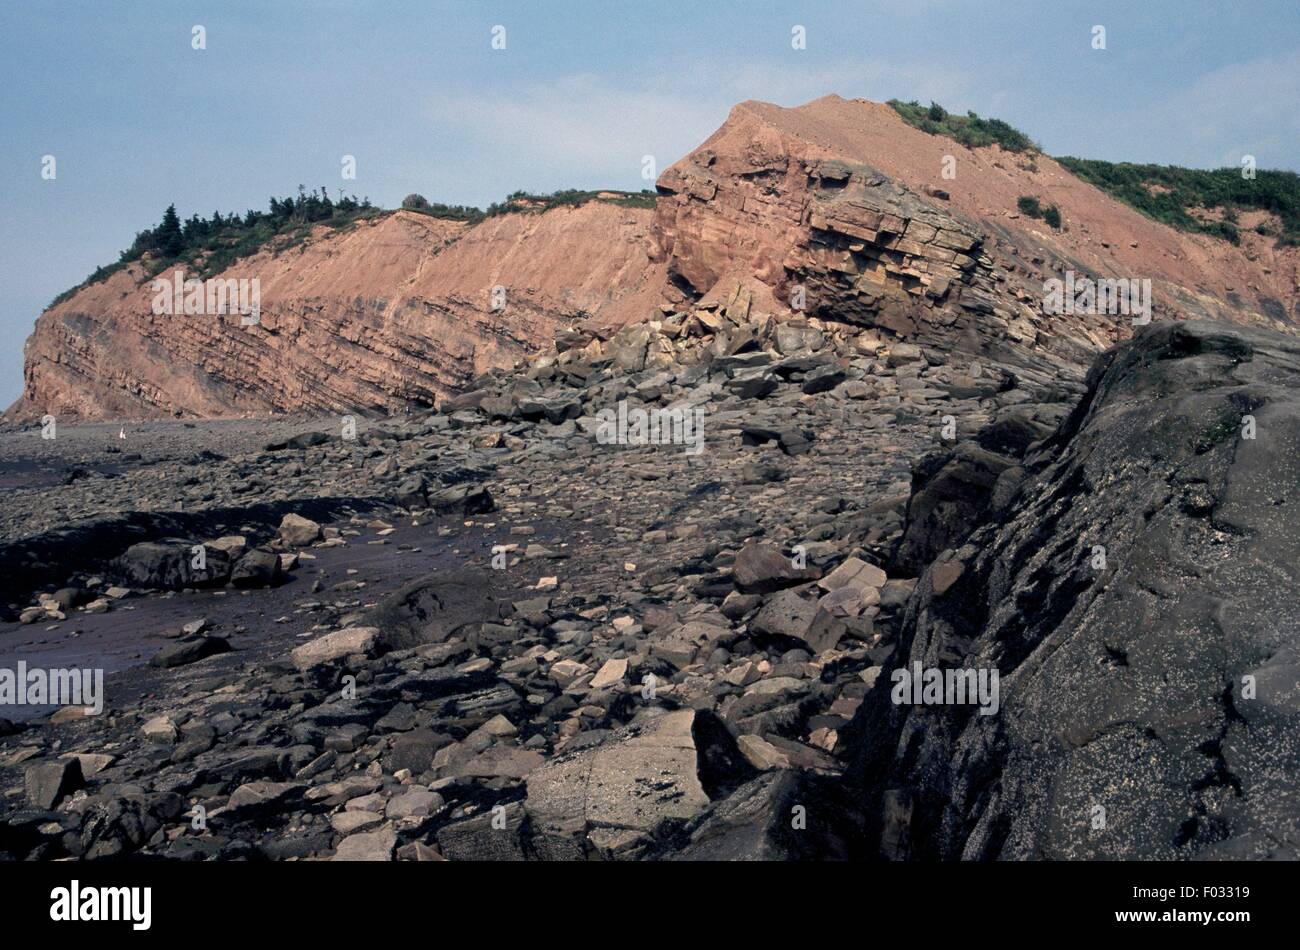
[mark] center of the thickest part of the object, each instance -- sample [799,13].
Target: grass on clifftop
[525,202]
[208,246]
[1188,199]
[1170,194]
[969,129]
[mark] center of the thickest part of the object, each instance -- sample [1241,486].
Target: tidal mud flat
[257,624]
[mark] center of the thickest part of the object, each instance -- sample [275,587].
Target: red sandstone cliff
[845,199]
[396,310]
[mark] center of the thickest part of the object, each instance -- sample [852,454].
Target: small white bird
[121,433]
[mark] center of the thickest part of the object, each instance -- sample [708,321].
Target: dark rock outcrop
[1138,600]
[954,489]
[434,608]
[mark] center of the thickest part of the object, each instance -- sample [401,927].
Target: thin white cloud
[1241,109]
[579,123]
[592,129]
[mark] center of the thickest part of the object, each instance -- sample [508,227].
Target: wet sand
[260,623]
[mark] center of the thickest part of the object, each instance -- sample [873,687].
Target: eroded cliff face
[394,312]
[835,211]
[841,209]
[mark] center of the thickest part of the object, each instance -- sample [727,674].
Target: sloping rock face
[393,313]
[1138,599]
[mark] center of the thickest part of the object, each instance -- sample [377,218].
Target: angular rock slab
[643,779]
[335,646]
[48,783]
[367,846]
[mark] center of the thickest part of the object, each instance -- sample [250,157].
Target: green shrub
[1053,217]
[1029,206]
[970,130]
[1170,194]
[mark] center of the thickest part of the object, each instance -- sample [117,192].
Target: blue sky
[138,119]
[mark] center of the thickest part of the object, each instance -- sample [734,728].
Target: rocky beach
[794,511]
[492,636]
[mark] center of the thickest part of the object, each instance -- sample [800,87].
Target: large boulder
[640,786]
[297,531]
[172,564]
[257,568]
[433,608]
[761,568]
[461,501]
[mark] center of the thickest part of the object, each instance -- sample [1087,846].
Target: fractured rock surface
[1137,596]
